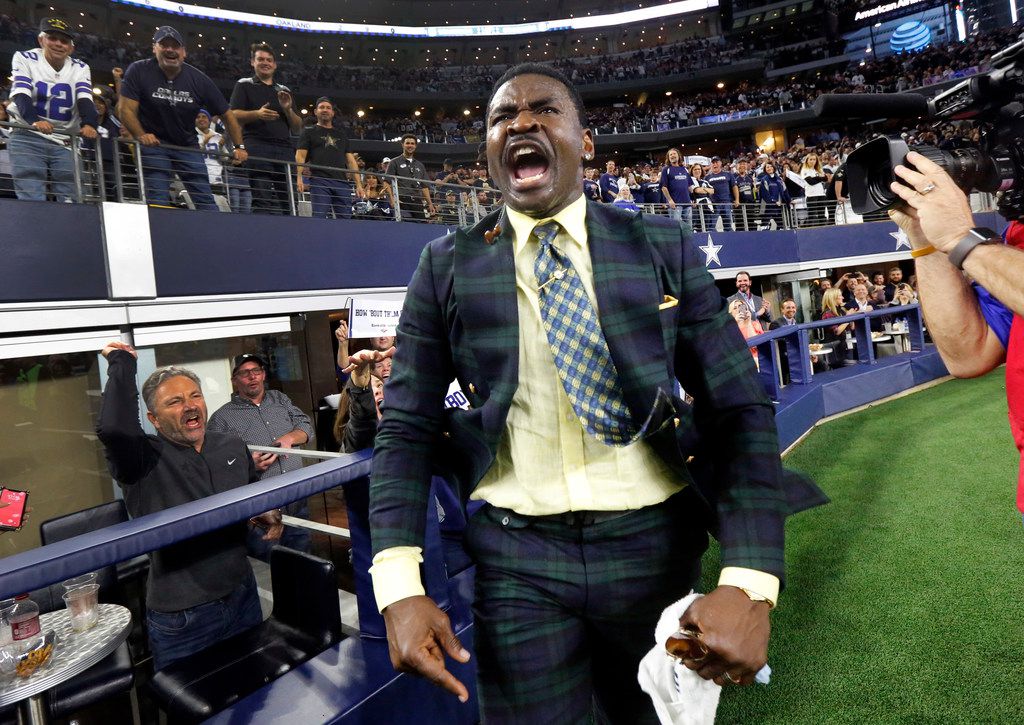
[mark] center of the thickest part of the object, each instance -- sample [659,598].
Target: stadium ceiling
[422,19]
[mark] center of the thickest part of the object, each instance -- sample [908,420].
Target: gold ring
[928,189]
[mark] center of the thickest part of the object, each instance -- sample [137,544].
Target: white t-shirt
[54,92]
[214,167]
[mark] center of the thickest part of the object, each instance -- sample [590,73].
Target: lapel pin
[490,236]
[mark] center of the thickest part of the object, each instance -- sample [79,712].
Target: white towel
[680,695]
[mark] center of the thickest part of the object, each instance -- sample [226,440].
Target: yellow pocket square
[670,301]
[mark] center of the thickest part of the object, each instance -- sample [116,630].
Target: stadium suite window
[51,406]
[211,361]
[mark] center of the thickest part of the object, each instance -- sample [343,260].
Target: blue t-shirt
[746,185]
[678,182]
[591,190]
[168,108]
[652,192]
[722,182]
[609,184]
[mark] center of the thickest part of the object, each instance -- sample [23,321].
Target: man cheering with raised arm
[569,326]
[201,589]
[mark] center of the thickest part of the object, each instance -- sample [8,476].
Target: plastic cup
[82,602]
[79,581]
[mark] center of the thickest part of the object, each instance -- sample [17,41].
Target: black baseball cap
[53,26]
[715,158]
[323,99]
[166,31]
[242,359]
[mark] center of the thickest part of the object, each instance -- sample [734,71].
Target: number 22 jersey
[54,93]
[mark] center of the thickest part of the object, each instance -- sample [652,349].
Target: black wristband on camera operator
[973,238]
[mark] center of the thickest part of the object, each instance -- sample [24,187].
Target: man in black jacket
[201,589]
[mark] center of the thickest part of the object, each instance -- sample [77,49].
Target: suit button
[472,388]
[504,521]
[676,421]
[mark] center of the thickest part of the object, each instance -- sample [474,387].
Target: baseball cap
[205,113]
[242,359]
[166,31]
[56,25]
[715,158]
[386,160]
[323,99]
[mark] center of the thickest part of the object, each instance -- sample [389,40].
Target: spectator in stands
[749,327]
[861,302]
[895,279]
[814,191]
[797,188]
[746,184]
[109,130]
[326,148]
[788,315]
[379,197]
[261,416]
[264,109]
[759,307]
[674,184]
[201,589]
[726,194]
[834,336]
[212,143]
[591,189]
[409,192]
[701,192]
[355,425]
[160,99]
[773,192]
[624,198]
[609,183]
[52,93]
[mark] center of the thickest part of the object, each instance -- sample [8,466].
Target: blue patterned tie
[581,353]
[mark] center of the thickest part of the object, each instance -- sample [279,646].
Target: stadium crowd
[261,120]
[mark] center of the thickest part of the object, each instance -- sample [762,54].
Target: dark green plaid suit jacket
[460,320]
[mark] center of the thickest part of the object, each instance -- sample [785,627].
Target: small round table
[73,653]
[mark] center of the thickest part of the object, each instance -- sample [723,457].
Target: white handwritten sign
[373,318]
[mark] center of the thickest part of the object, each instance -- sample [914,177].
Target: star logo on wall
[711,251]
[902,240]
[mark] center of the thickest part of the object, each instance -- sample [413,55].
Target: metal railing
[70,168]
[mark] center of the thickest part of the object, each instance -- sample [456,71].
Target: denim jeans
[682,213]
[330,194]
[173,635]
[158,164]
[723,211]
[32,157]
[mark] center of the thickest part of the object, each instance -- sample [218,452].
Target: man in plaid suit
[579,544]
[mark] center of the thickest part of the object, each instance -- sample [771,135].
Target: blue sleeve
[131,86]
[663,179]
[87,110]
[997,315]
[26,109]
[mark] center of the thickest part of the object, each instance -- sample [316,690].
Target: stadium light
[655,12]
[360,113]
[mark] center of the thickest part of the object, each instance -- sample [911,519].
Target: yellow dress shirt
[546,463]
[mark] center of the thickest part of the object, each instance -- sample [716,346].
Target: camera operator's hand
[935,211]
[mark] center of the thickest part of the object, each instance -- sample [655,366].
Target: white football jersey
[54,92]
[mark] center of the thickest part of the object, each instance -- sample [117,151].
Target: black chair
[115,674]
[306,620]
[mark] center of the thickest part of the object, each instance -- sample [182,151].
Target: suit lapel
[485,294]
[628,294]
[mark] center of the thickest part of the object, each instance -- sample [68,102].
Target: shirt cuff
[396,575]
[750,580]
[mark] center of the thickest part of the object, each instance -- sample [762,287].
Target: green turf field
[905,596]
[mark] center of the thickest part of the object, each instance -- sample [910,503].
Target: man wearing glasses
[264,417]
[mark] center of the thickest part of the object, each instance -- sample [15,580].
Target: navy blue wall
[50,251]
[201,253]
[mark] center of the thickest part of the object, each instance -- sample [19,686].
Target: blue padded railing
[796,341]
[56,562]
